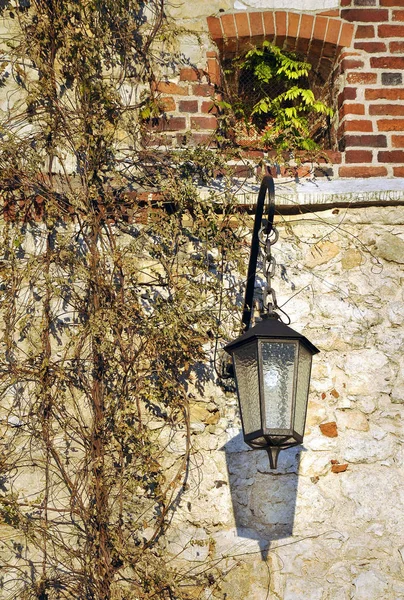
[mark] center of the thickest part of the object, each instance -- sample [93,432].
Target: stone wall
[327,525]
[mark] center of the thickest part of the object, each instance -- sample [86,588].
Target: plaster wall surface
[307,5]
[200,8]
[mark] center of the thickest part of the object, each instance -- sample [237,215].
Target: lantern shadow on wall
[271,365]
[264,501]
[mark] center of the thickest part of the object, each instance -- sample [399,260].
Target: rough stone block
[370,584]
[390,247]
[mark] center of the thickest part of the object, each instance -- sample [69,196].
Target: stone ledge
[355,192]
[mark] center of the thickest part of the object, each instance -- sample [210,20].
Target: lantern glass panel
[302,389]
[278,366]
[246,366]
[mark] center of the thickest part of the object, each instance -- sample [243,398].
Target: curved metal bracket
[267,186]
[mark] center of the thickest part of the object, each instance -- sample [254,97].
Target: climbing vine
[108,300]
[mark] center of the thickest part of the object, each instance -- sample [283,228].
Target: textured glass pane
[278,365]
[303,380]
[246,365]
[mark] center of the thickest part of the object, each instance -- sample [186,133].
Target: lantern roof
[270,327]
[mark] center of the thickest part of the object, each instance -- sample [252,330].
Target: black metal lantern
[272,362]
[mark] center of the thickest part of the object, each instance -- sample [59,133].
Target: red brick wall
[364,40]
[189,110]
[371,108]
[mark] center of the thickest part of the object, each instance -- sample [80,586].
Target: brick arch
[290,29]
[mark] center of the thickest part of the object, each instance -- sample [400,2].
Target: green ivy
[281,119]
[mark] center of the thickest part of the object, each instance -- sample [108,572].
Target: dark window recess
[242,90]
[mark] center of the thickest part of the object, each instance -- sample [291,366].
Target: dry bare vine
[106,302]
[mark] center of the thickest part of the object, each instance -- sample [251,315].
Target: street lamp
[272,362]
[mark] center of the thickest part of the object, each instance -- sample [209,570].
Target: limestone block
[370,585]
[340,592]
[315,463]
[390,247]
[206,442]
[209,509]
[273,502]
[395,313]
[312,504]
[189,543]
[193,47]
[308,559]
[351,259]
[366,404]
[352,419]
[362,447]
[376,529]
[334,308]
[375,506]
[339,573]
[295,589]
[175,440]
[198,413]
[397,392]
[237,541]
[392,423]
[242,465]
[363,284]
[235,441]
[327,339]
[318,442]
[321,254]
[367,371]
[371,316]
[316,413]
[297,310]
[391,343]
[248,580]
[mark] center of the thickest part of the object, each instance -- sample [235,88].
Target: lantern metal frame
[269,330]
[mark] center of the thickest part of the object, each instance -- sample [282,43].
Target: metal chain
[267,240]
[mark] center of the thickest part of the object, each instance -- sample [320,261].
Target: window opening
[269,89]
